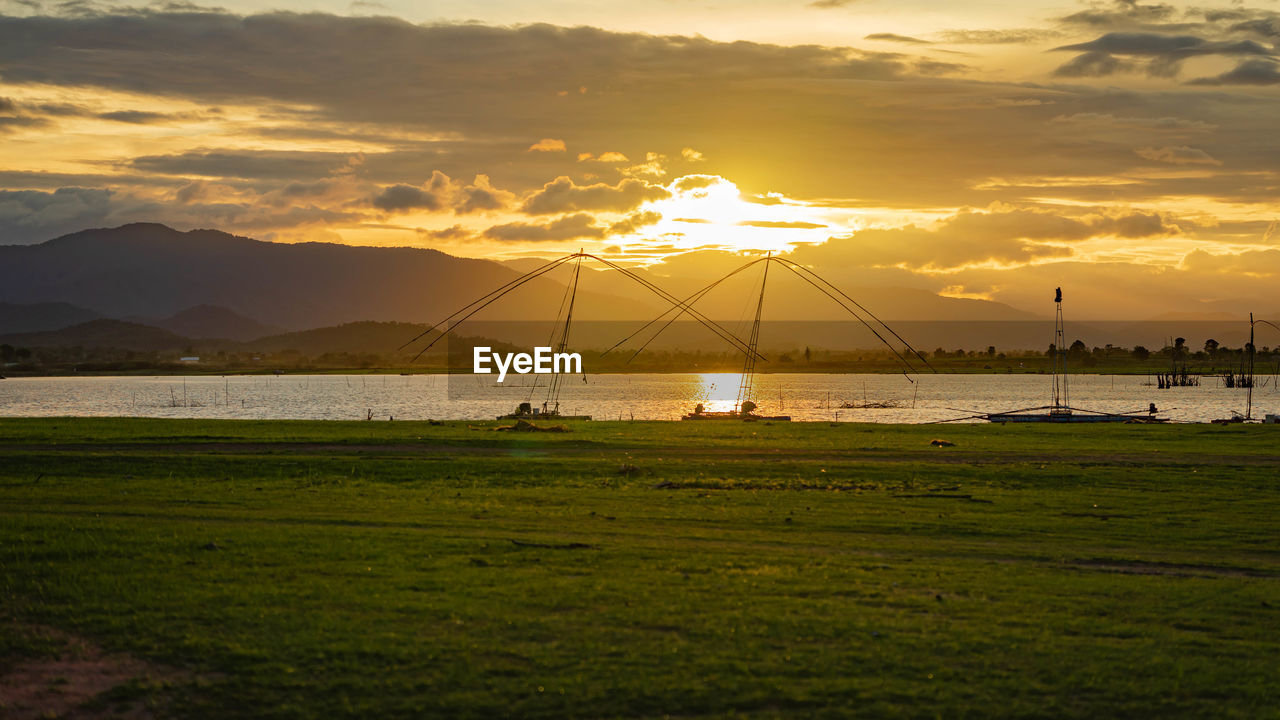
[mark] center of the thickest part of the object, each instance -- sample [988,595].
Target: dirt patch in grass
[971,456]
[83,682]
[1137,567]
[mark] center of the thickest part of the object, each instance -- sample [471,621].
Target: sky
[1124,150]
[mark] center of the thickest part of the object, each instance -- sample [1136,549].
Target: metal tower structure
[1061,400]
[749,365]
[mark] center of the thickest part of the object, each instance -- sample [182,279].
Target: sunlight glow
[709,212]
[718,392]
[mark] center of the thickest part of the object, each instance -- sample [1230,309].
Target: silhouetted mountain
[211,321]
[115,334]
[380,338]
[1196,316]
[152,271]
[39,317]
[149,270]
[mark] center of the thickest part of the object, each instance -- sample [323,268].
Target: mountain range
[150,287]
[145,270]
[149,271]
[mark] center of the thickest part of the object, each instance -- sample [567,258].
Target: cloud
[194,191]
[1009,36]
[796,225]
[547,145]
[691,155]
[1234,264]
[12,123]
[563,195]
[766,199]
[1268,28]
[453,232]
[142,117]
[925,66]
[893,37]
[457,96]
[1249,72]
[442,192]
[1157,45]
[399,198]
[251,164]
[634,222]
[1164,53]
[481,196]
[653,166]
[469,99]
[1181,155]
[1093,64]
[371,6]
[1000,234]
[830,4]
[389,70]
[1121,12]
[604,157]
[696,182]
[570,227]
[15,116]
[1144,124]
[31,216]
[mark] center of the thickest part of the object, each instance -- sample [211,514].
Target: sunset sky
[1128,151]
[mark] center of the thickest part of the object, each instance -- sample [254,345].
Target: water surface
[638,396]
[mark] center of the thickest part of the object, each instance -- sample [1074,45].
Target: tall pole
[749,366]
[553,388]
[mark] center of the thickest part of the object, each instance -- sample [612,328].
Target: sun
[711,212]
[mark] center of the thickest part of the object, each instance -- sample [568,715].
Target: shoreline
[194,372]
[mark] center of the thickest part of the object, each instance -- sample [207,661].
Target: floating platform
[1067,415]
[542,416]
[526,411]
[745,417]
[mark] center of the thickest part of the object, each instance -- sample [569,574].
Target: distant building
[190,359]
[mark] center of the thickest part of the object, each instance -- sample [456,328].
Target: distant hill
[150,270]
[1196,317]
[379,338]
[211,321]
[39,317]
[376,338]
[207,283]
[116,334]
[383,338]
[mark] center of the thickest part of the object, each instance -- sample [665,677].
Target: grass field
[322,569]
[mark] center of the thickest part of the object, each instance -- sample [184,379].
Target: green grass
[649,569]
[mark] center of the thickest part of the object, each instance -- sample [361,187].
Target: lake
[606,397]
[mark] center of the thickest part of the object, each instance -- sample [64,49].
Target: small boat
[526,411]
[746,413]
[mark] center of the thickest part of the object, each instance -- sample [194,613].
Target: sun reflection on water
[718,392]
